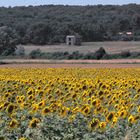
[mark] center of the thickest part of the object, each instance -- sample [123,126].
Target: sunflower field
[69,104]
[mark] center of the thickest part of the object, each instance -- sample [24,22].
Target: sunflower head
[46,111]
[131,119]
[102,125]
[41,104]
[13,124]
[34,123]
[110,117]
[94,124]
[86,110]
[10,108]
[123,113]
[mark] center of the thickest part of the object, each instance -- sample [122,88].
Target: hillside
[51,23]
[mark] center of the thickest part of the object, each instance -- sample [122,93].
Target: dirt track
[113,61]
[70,66]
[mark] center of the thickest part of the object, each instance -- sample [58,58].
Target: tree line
[50,24]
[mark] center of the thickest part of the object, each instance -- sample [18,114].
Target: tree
[50,23]
[39,33]
[21,31]
[8,40]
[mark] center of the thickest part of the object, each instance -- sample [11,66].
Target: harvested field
[37,63]
[110,47]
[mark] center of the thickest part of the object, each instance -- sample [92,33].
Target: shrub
[100,53]
[125,54]
[35,54]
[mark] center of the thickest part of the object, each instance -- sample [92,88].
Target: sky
[12,3]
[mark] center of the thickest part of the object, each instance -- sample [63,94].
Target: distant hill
[51,23]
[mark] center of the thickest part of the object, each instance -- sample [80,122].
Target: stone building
[73,40]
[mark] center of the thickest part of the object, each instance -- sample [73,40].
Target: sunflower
[29,92]
[35,108]
[50,97]
[123,113]
[6,95]
[40,93]
[110,116]
[30,97]
[98,110]
[46,111]
[95,102]
[131,119]
[6,104]
[13,124]
[136,97]
[108,96]
[64,111]
[72,118]
[101,98]
[105,111]
[10,109]
[114,121]
[116,106]
[23,118]
[22,98]
[94,124]
[74,96]
[19,101]
[110,102]
[75,110]
[136,118]
[34,123]
[116,101]
[100,93]
[86,110]
[13,115]
[41,104]
[102,125]
[131,106]
[114,97]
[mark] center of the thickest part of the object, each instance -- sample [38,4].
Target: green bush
[125,54]
[100,53]
[35,54]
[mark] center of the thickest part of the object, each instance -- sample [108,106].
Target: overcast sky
[12,3]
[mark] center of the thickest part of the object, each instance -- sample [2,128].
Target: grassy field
[110,47]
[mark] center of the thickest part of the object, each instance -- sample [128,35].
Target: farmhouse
[125,36]
[73,40]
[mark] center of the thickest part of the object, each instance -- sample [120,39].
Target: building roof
[70,36]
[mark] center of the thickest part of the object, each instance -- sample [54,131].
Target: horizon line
[69,5]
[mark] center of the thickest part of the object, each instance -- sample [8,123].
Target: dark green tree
[8,40]
[39,33]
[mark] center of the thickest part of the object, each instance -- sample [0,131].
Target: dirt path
[70,66]
[113,61]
